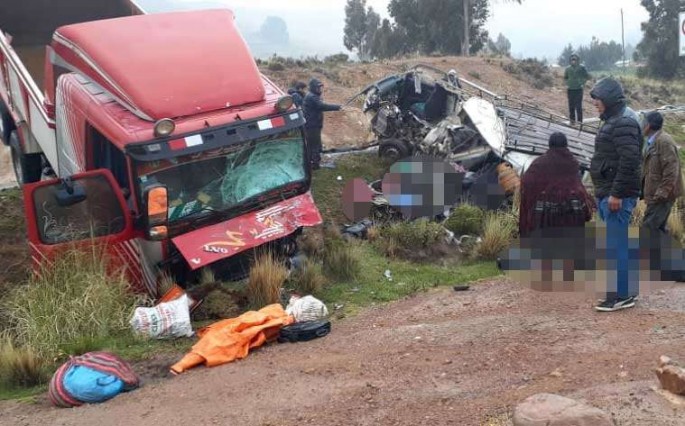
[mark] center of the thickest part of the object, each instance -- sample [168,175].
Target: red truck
[154,135]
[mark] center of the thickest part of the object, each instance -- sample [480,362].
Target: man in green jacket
[575,77]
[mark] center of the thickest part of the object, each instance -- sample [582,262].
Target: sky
[536,28]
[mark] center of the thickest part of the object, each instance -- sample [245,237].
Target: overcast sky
[538,28]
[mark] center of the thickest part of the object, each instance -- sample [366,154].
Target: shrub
[267,276]
[499,230]
[311,243]
[466,219]
[340,260]
[276,66]
[418,234]
[73,300]
[20,366]
[309,279]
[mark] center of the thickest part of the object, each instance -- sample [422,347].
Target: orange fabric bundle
[231,339]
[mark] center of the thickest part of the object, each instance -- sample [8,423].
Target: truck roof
[166,65]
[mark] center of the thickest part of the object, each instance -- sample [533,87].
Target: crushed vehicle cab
[170,148]
[426,111]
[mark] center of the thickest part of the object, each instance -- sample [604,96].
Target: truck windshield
[223,178]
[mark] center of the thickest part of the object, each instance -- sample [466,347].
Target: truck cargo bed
[31,24]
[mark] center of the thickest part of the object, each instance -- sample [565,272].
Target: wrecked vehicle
[159,149]
[431,112]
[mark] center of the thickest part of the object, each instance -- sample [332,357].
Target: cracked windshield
[226,177]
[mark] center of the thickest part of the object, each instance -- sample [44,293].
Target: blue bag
[91,386]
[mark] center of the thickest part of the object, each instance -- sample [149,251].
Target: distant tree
[274,30]
[596,56]
[502,45]
[437,26]
[468,20]
[356,26]
[659,45]
[565,57]
[388,41]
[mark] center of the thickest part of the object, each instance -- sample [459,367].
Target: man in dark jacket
[615,172]
[661,174]
[575,77]
[314,108]
[297,93]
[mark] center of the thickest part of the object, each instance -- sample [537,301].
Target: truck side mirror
[69,193]
[157,207]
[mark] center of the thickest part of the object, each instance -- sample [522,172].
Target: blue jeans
[618,252]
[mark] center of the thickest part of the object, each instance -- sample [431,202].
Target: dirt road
[443,358]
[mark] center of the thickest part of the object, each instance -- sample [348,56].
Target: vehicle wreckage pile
[491,139]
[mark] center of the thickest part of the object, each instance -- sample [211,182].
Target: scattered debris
[358,230]
[93,377]
[231,339]
[307,308]
[461,287]
[304,331]
[388,274]
[165,320]
[546,409]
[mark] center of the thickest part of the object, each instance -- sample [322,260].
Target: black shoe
[616,304]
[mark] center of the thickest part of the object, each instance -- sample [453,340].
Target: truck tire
[27,167]
[394,150]
[6,124]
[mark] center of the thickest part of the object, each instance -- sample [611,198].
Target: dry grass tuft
[20,367]
[76,299]
[340,259]
[499,230]
[310,279]
[267,276]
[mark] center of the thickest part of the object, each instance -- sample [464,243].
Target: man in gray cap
[661,173]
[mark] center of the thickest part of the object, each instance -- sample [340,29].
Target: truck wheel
[6,124]
[27,167]
[394,149]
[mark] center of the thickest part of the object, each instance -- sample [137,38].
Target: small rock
[556,373]
[623,374]
[671,376]
[546,409]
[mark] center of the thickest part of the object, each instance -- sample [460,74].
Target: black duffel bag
[304,331]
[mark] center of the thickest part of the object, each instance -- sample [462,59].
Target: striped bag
[103,362]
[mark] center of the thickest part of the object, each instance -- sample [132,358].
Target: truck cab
[170,148]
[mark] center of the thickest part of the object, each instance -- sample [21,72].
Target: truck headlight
[164,127]
[284,103]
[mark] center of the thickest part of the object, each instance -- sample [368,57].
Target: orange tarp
[231,339]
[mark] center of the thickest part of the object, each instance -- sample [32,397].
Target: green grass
[327,190]
[407,278]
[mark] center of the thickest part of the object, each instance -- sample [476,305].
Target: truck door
[84,211]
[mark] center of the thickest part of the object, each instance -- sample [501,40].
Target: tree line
[424,27]
[429,27]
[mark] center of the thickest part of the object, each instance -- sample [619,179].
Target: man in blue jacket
[314,108]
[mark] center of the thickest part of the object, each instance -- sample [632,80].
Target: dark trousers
[314,144]
[656,215]
[575,105]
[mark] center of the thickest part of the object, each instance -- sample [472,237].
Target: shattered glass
[223,179]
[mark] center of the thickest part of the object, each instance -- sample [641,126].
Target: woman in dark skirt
[552,193]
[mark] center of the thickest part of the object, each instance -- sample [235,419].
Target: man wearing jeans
[615,172]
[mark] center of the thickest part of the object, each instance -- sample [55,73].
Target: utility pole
[623,39]
[466,46]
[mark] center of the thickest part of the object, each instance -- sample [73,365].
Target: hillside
[343,81]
